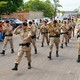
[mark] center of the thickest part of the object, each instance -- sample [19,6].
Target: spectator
[1,32]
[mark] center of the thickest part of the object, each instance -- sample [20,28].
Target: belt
[64,33]
[70,29]
[9,35]
[34,36]
[58,35]
[25,44]
[78,36]
[44,32]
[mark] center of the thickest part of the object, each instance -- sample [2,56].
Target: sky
[68,5]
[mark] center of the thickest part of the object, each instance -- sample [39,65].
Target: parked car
[13,21]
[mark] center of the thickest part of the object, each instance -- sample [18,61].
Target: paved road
[63,68]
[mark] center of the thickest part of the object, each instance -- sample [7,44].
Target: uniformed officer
[64,34]
[73,26]
[8,37]
[44,33]
[54,34]
[78,42]
[32,28]
[24,46]
[38,30]
[69,24]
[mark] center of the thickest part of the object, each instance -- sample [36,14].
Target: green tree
[10,6]
[56,6]
[37,5]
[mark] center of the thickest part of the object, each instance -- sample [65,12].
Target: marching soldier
[24,46]
[64,34]
[8,37]
[78,42]
[54,34]
[44,33]
[31,27]
[40,24]
[69,24]
[73,26]
[34,27]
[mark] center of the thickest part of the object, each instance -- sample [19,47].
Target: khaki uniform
[38,30]
[44,34]
[64,35]
[78,42]
[32,28]
[26,48]
[54,40]
[73,27]
[69,30]
[8,36]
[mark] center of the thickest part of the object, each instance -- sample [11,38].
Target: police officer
[24,46]
[64,34]
[78,42]
[54,35]
[44,33]
[69,24]
[32,28]
[73,26]
[8,37]
[38,30]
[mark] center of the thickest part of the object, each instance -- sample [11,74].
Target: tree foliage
[37,5]
[9,6]
[77,9]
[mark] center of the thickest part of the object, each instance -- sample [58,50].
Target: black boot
[78,60]
[42,45]
[68,40]
[35,51]
[38,37]
[3,52]
[61,45]
[49,55]
[66,44]
[15,67]
[29,65]
[57,55]
[12,50]
[47,43]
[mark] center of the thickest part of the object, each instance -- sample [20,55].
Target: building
[70,13]
[24,15]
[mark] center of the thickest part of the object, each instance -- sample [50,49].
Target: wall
[24,15]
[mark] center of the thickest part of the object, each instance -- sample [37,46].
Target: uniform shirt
[69,25]
[7,30]
[55,31]
[44,28]
[32,29]
[24,34]
[78,34]
[64,28]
